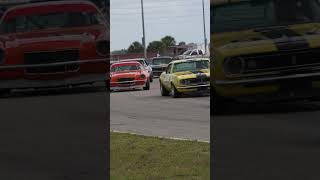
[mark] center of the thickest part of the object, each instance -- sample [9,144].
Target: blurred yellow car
[186,76]
[264,51]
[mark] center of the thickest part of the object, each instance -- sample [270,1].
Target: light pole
[204,29]
[144,35]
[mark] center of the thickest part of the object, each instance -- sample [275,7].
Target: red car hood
[51,39]
[125,74]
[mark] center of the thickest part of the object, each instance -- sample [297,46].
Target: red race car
[129,75]
[53,43]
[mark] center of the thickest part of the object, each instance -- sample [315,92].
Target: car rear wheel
[163,90]
[174,92]
[147,86]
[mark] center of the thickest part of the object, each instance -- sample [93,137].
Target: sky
[178,18]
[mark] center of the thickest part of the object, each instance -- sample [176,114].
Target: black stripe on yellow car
[284,38]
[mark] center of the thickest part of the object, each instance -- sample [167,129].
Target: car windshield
[47,21]
[190,66]
[247,14]
[187,52]
[160,61]
[125,68]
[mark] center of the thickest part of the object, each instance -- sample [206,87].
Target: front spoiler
[126,88]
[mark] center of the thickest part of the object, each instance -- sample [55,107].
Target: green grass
[138,157]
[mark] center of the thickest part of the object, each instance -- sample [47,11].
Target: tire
[174,92]
[151,77]
[147,86]
[163,90]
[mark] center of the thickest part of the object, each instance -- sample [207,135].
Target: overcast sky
[179,18]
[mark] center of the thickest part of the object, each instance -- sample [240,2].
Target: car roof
[191,59]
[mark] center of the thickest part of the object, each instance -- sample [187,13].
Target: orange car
[56,43]
[129,75]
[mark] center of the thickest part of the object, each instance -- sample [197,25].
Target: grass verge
[137,157]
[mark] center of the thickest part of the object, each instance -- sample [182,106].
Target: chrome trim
[259,80]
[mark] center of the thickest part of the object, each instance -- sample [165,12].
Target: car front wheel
[147,86]
[174,92]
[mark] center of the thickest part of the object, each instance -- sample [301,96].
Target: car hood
[301,36]
[192,74]
[125,74]
[38,41]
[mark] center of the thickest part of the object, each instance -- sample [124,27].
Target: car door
[167,77]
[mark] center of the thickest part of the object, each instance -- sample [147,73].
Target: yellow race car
[264,51]
[186,76]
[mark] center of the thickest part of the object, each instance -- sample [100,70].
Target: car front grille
[35,58]
[199,80]
[281,61]
[125,79]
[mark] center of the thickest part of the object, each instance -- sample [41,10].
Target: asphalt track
[52,135]
[267,141]
[149,113]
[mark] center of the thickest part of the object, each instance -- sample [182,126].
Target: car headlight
[185,81]
[103,48]
[234,65]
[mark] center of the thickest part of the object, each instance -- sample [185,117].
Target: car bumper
[282,88]
[127,85]
[193,89]
[75,80]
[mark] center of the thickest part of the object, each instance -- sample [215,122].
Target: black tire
[174,92]
[163,90]
[147,86]
[151,77]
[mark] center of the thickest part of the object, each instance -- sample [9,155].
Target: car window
[160,61]
[191,66]
[187,52]
[125,68]
[168,70]
[194,52]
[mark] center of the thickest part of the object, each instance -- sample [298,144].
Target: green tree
[168,41]
[135,47]
[182,43]
[156,46]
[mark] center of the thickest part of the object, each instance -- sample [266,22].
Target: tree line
[162,46]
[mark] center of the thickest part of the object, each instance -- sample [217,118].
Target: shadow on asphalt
[53,92]
[270,108]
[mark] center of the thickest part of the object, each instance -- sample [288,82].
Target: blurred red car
[56,43]
[129,75]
